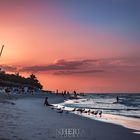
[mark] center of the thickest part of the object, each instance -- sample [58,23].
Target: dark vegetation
[18,80]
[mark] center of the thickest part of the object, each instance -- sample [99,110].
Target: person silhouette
[75,94]
[46,102]
[57,92]
[117,98]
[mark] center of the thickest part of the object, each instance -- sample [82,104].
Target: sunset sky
[82,45]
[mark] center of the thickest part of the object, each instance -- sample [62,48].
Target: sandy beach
[26,118]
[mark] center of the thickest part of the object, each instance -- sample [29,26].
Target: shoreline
[123,120]
[127,122]
[26,109]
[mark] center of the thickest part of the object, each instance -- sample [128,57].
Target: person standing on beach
[68,93]
[65,92]
[57,92]
[75,94]
[117,98]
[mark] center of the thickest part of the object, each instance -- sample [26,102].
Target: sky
[82,45]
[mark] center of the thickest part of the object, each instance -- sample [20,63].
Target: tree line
[18,80]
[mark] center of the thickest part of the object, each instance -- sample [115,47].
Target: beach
[125,112]
[26,118]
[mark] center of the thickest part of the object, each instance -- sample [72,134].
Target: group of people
[63,93]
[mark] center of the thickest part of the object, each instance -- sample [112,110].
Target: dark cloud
[84,66]
[65,67]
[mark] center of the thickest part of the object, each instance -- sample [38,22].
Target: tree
[33,80]
[16,79]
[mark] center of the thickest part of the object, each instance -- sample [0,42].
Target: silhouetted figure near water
[68,93]
[75,94]
[65,92]
[117,98]
[62,93]
[46,102]
[57,91]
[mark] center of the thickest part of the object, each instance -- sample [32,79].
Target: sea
[128,104]
[125,112]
